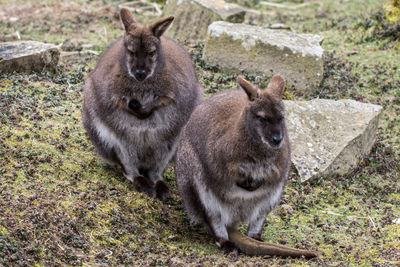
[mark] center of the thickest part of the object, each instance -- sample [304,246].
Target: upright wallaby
[232,163]
[137,100]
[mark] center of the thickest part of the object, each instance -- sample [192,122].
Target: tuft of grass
[392,10]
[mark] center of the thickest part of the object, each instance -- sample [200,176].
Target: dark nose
[134,105]
[140,75]
[276,140]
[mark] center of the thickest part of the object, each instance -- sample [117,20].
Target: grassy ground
[60,205]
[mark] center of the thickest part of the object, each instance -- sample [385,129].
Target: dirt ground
[61,205]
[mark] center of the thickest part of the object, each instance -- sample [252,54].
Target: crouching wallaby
[137,99]
[232,163]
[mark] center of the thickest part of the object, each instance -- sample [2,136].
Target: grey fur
[143,147]
[223,146]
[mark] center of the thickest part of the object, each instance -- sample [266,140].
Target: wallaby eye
[269,120]
[131,53]
[261,118]
[152,53]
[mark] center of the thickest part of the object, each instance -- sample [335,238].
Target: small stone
[353,52]
[72,46]
[340,135]
[28,56]
[192,17]
[238,47]
[17,165]
[32,197]
[172,238]
[287,208]
[8,175]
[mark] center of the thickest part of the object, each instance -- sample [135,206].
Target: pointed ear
[276,85]
[251,91]
[160,26]
[126,18]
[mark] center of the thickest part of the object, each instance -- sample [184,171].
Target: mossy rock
[241,47]
[28,56]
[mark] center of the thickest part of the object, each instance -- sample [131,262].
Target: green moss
[3,230]
[392,10]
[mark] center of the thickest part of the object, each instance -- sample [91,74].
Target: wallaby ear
[251,91]
[276,85]
[160,26]
[126,18]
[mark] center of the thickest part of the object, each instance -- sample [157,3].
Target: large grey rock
[237,47]
[330,137]
[28,56]
[192,17]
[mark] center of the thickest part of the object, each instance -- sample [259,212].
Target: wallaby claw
[162,191]
[143,184]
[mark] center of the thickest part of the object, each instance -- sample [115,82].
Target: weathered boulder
[330,137]
[238,47]
[28,56]
[192,17]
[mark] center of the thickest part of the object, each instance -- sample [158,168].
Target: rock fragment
[330,137]
[28,56]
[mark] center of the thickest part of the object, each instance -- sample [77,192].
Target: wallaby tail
[252,247]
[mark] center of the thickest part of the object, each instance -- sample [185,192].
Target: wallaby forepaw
[143,184]
[162,190]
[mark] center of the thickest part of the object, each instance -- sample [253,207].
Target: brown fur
[137,99]
[233,161]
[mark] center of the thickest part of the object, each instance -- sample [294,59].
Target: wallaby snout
[276,140]
[272,132]
[140,75]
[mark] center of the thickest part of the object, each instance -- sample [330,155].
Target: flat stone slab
[330,137]
[238,47]
[192,17]
[28,56]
